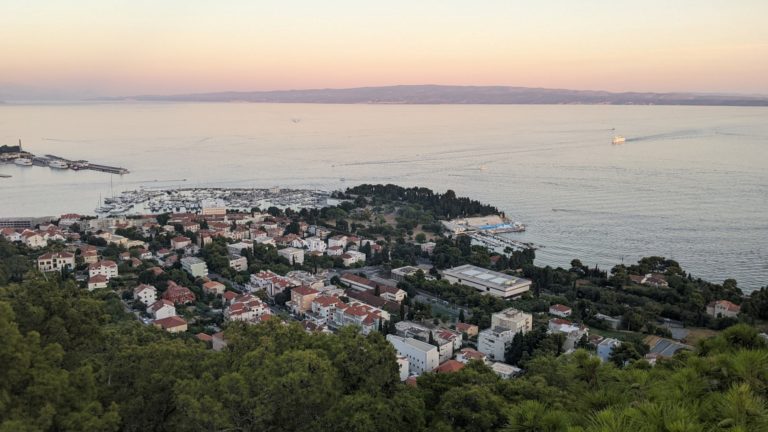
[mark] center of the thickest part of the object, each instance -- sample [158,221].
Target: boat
[58,164]
[23,162]
[618,139]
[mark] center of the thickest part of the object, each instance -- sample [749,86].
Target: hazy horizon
[89,48]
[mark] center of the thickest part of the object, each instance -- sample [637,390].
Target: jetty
[83,165]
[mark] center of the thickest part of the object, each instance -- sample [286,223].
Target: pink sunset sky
[109,47]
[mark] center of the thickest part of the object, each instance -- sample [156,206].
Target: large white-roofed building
[487,281]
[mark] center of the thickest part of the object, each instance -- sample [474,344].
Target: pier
[83,165]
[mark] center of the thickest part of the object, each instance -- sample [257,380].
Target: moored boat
[58,164]
[23,162]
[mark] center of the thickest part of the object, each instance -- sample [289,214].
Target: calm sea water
[690,183]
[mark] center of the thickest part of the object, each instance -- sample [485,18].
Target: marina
[154,201]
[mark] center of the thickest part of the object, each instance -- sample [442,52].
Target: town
[365,262]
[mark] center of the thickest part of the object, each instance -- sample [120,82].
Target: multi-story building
[56,261]
[180,242]
[105,268]
[367,317]
[194,266]
[315,244]
[513,319]
[146,294]
[573,332]
[504,326]
[487,281]
[178,294]
[162,309]
[238,263]
[248,308]
[422,357]
[292,254]
[301,299]
[270,282]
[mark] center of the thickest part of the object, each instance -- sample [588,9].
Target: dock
[83,165]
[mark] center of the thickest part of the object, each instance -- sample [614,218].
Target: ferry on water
[618,139]
[23,162]
[58,164]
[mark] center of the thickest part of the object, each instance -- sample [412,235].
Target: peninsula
[442,94]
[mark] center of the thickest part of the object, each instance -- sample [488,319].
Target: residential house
[237,248]
[505,371]
[214,288]
[180,242]
[238,263]
[33,239]
[335,251]
[292,254]
[247,308]
[97,281]
[337,240]
[146,294]
[468,329]
[271,282]
[352,257]
[105,268]
[391,293]
[56,261]
[573,332]
[178,294]
[162,309]
[559,310]
[315,244]
[723,309]
[605,348]
[449,366]
[172,324]
[465,355]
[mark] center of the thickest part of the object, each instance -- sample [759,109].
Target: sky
[130,47]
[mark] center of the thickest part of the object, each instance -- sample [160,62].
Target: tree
[420,238]
[461,315]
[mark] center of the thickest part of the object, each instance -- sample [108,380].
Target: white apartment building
[162,309]
[105,268]
[292,254]
[238,263]
[146,294]
[315,244]
[505,325]
[422,357]
[194,266]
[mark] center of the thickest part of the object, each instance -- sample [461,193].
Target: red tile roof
[170,322]
[450,366]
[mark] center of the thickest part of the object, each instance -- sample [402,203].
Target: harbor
[193,200]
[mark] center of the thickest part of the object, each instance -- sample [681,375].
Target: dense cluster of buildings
[368,302]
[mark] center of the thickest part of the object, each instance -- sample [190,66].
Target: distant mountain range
[439,94]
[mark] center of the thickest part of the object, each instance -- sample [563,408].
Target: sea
[689,183]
